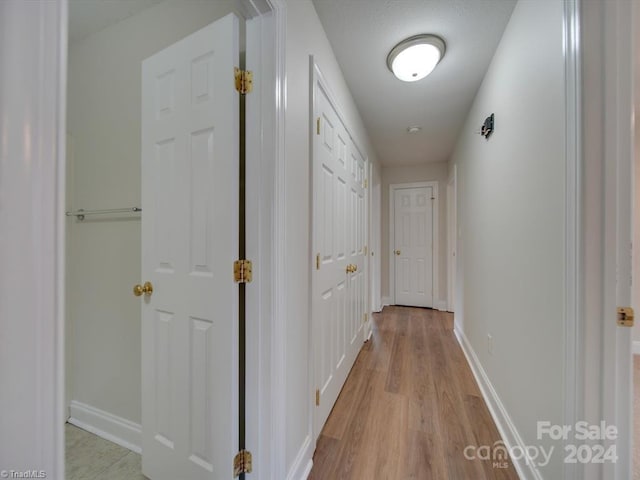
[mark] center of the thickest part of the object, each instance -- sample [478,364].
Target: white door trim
[618,176]
[266,226]
[452,236]
[574,365]
[368,276]
[392,271]
[602,41]
[375,239]
[266,229]
[32,289]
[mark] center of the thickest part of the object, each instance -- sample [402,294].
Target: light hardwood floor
[409,407]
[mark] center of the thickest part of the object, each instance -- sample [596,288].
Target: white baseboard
[501,417]
[386,301]
[106,425]
[307,470]
[301,467]
[636,348]
[440,305]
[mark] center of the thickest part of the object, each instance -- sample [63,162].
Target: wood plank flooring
[409,408]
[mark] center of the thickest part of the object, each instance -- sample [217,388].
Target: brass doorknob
[354,267]
[351,268]
[147,289]
[397,252]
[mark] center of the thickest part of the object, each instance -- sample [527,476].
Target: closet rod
[81,213]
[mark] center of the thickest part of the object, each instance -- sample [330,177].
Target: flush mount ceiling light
[415,57]
[414,129]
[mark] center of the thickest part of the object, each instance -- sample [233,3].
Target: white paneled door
[190,124]
[413,249]
[339,236]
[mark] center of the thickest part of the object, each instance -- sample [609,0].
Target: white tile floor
[89,457]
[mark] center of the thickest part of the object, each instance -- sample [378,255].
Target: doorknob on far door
[147,289]
[397,252]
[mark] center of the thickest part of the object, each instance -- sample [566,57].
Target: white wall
[104,254]
[305,36]
[636,186]
[511,191]
[429,172]
[636,234]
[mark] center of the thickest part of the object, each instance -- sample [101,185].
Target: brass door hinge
[317,397]
[366,250]
[364,319]
[244,80]
[318,126]
[625,317]
[366,183]
[242,463]
[318,261]
[242,271]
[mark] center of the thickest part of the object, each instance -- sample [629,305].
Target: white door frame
[618,131]
[375,237]
[392,271]
[266,198]
[574,368]
[368,264]
[598,37]
[452,236]
[33,70]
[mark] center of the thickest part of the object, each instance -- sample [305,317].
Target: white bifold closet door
[339,288]
[190,126]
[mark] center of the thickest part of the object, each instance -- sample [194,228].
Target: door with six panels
[413,246]
[339,291]
[190,132]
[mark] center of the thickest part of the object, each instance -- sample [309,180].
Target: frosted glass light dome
[416,57]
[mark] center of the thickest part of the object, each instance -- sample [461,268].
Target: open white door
[413,246]
[190,125]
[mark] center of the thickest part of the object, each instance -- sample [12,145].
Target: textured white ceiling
[90,16]
[362,32]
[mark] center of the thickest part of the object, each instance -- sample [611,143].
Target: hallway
[409,407]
